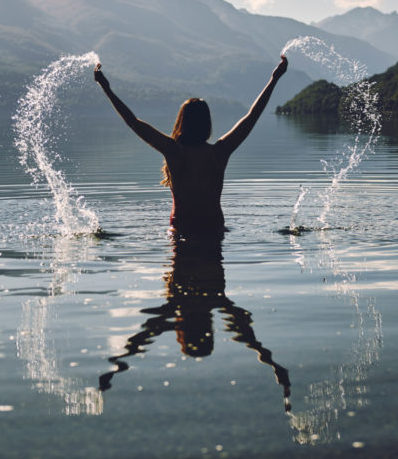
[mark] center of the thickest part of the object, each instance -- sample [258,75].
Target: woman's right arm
[148,133]
[230,141]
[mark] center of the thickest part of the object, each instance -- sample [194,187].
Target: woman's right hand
[100,78]
[281,69]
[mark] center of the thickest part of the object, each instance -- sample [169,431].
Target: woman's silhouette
[194,169]
[195,287]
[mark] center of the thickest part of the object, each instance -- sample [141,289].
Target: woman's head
[192,127]
[193,123]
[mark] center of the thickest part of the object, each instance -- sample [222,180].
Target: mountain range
[379,29]
[156,51]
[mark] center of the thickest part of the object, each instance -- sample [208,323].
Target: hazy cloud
[348,4]
[256,5]
[310,10]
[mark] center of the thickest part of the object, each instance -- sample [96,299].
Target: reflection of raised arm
[230,141]
[239,321]
[135,344]
[148,133]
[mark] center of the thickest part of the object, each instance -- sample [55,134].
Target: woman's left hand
[281,69]
[100,78]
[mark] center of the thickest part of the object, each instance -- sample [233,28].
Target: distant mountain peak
[364,8]
[366,23]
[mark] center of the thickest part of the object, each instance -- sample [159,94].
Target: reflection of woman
[193,168]
[194,288]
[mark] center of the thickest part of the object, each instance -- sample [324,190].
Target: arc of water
[367,123]
[346,70]
[33,139]
[330,397]
[362,110]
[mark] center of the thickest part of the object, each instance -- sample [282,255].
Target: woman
[194,169]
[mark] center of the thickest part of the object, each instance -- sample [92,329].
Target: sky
[311,10]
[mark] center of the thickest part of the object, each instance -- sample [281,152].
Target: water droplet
[233,383]
[73,364]
[166,383]
[170,365]
[358,444]
[140,388]
[6,408]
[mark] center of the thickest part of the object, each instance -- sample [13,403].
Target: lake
[262,345]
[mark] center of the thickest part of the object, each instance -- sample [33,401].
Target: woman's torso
[197,176]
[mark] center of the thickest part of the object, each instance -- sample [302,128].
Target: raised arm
[230,141]
[148,133]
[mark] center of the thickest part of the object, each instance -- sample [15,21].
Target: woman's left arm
[230,141]
[157,139]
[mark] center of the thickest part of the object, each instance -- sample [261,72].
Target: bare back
[197,176]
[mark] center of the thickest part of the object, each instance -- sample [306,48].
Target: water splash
[360,109]
[34,139]
[344,391]
[365,120]
[346,70]
[303,191]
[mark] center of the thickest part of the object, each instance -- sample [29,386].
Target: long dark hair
[192,127]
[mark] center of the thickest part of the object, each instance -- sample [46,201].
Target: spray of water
[345,70]
[34,140]
[360,110]
[344,391]
[303,191]
[365,122]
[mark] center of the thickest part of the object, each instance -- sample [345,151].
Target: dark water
[132,346]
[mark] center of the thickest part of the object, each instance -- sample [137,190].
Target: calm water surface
[265,344]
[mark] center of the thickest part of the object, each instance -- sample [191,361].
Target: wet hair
[192,127]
